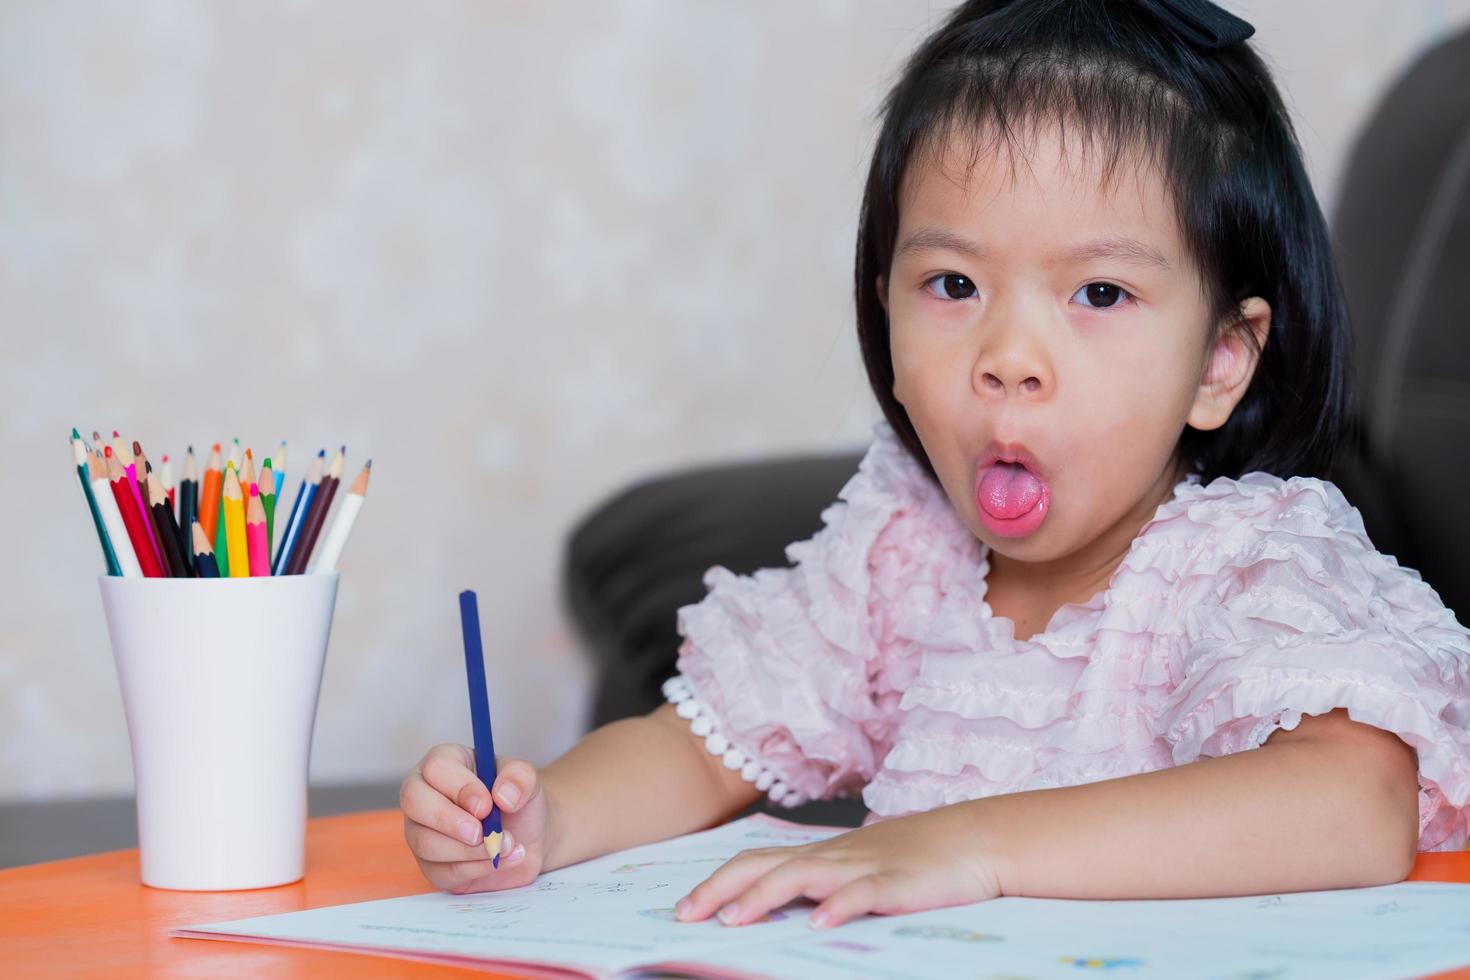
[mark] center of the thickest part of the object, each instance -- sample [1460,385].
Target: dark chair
[1402,230]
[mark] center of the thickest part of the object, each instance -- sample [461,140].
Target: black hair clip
[1200,22]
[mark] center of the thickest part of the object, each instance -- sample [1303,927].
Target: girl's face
[1049,343]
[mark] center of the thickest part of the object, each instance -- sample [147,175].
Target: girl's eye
[1104,294]
[953,286]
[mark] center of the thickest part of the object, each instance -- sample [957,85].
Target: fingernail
[682,907]
[473,804]
[730,914]
[506,843]
[469,832]
[515,856]
[818,920]
[509,795]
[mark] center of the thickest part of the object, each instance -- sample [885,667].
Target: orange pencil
[255,543]
[214,481]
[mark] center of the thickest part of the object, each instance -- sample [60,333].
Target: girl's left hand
[905,864]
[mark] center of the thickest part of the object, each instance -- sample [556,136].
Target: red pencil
[117,478]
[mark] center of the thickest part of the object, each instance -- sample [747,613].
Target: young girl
[1084,624]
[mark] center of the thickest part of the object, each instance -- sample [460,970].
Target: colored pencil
[221,532]
[168,528]
[309,484]
[117,532]
[145,473]
[336,538]
[474,668]
[247,474]
[235,455]
[166,478]
[268,503]
[203,554]
[311,524]
[79,453]
[256,545]
[280,469]
[214,478]
[117,479]
[234,522]
[124,456]
[188,507]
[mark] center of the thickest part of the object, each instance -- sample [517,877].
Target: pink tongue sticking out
[1009,490]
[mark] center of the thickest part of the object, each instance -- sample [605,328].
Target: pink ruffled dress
[874,663]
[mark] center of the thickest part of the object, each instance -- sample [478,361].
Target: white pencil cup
[219,680]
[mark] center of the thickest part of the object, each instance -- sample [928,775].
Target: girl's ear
[1230,364]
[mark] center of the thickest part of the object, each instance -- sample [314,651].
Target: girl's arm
[634,781]
[1330,804]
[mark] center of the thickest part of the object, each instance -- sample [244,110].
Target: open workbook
[614,917]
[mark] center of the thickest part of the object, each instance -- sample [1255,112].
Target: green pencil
[221,552]
[268,501]
[79,452]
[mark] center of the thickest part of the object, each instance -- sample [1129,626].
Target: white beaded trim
[689,707]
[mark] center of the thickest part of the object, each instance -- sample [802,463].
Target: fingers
[729,880]
[476,873]
[856,898]
[449,769]
[427,806]
[515,785]
[467,876]
[429,844]
[810,877]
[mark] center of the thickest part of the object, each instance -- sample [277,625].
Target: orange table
[89,916]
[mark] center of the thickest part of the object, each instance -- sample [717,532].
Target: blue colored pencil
[280,471]
[474,667]
[298,511]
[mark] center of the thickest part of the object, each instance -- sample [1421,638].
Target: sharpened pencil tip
[74,433]
[368,465]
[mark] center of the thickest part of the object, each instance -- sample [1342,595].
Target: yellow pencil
[234,504]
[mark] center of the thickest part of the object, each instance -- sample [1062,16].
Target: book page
[1403,930]
[603,915]
[614,916]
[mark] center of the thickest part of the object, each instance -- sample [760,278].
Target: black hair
[1213,123]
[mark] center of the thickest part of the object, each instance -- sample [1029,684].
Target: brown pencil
[312,525]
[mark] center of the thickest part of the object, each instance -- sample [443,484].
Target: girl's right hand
[443,803]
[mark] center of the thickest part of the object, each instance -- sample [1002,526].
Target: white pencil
[326,559]
[122,546]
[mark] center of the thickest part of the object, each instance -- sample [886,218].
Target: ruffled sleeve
[1289,610]
[777,669]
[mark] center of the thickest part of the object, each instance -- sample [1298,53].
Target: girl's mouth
[1011,497]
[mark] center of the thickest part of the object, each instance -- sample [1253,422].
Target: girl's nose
[1011,363]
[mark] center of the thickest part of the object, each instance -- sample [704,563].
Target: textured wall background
[520,253]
